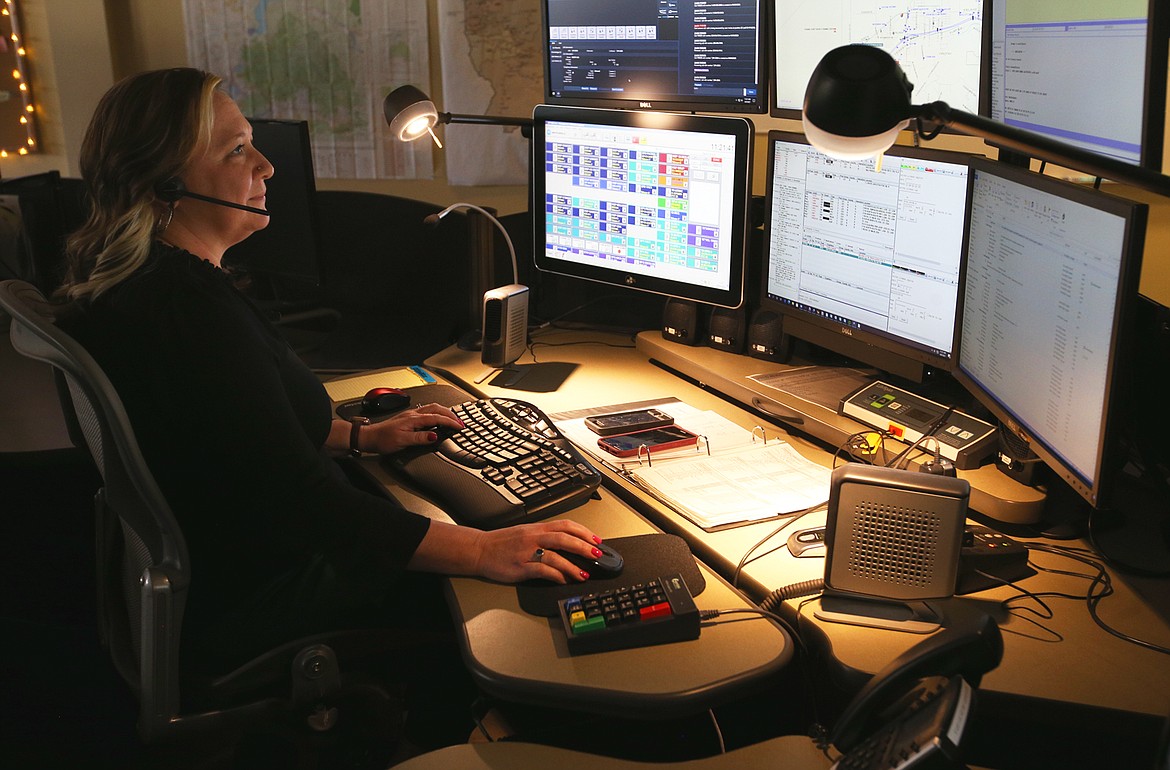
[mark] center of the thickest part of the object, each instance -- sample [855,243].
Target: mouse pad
[646,557]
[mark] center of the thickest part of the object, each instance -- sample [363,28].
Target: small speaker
[1014,458]
[727,329]
[505,324]
[892,541]
[766,338]
[683,323]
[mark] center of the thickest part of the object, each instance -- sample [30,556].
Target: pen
[423,375]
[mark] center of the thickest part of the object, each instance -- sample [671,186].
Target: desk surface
[1066,659]
[524,658]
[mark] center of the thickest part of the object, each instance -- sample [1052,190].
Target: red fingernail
[584,575]
[432,437]
[461,424]
[597,539]
[596,552]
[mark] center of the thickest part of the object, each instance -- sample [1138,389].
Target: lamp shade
[857,101]
[410,113]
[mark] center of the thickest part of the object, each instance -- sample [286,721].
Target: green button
[595,623]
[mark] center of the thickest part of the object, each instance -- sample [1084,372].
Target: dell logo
[647,105]
[847,331]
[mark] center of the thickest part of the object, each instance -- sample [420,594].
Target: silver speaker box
[892,541]
[505,324]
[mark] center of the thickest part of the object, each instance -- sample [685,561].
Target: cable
[1093,597]
[718,732]
[790,519]
[772,601]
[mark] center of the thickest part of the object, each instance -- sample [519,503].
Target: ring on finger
[537,555]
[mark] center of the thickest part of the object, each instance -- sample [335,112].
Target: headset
[173,189]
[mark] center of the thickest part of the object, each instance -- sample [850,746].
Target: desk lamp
[411,115]
[858,99]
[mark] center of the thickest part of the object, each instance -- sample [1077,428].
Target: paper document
[733,476]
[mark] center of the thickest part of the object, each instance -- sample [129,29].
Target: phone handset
[966,650]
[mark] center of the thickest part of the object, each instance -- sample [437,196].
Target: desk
[1095,676]
[524,658]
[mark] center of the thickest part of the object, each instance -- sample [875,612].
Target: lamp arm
[491,120]
[1031,143]
[496,222]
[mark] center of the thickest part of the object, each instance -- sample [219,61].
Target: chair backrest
[143,567]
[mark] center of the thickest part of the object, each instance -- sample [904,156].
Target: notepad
[734,476]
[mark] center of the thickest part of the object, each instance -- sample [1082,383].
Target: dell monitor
[1091,74]
[687,55]
[285,256]
[939,45]
[865,261]
[644,200]
[1052,275]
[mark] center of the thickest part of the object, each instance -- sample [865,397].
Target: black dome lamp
[858,100]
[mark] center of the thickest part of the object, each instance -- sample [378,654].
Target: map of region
[330,62]
[492,53]
[936,42]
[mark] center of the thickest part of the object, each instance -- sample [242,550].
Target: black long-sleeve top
[233,426]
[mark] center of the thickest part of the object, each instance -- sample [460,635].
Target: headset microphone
[173,189]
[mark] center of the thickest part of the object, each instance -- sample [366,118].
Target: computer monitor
[653,201]
[939,45]
[657,54]
[1052,273]
[285,255]
[866,262]
[1091,74]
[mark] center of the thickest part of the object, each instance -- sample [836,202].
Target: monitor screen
[938,43]
[1091,74]
[657,54]
[863,261]
[1051,275]
[287,251]
[646,200]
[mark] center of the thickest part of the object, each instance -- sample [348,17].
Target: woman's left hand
[412,427]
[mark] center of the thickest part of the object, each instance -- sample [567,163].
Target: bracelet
[355,430]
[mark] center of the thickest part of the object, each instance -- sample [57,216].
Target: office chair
[144,572]
[912,713]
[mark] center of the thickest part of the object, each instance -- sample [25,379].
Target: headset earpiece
[170,190]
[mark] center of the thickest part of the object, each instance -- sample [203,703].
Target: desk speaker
[727,329]
[766,339]
[892,541]
[683,322]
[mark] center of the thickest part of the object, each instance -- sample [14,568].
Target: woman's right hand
[508,555]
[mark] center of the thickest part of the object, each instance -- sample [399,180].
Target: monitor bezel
[1153,99]
[740,129]
[676,102]
[792,113]
[866,345]
[1135,215]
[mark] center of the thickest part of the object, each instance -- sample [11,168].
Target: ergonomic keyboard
[508,465]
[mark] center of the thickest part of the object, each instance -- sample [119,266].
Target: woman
[239,434]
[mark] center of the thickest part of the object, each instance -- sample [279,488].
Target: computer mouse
[608,565]
[383,400]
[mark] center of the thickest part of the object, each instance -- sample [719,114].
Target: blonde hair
[144,131]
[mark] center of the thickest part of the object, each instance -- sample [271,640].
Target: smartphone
[628,422]
[653,440]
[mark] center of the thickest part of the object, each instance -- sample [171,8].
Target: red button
[659,610]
